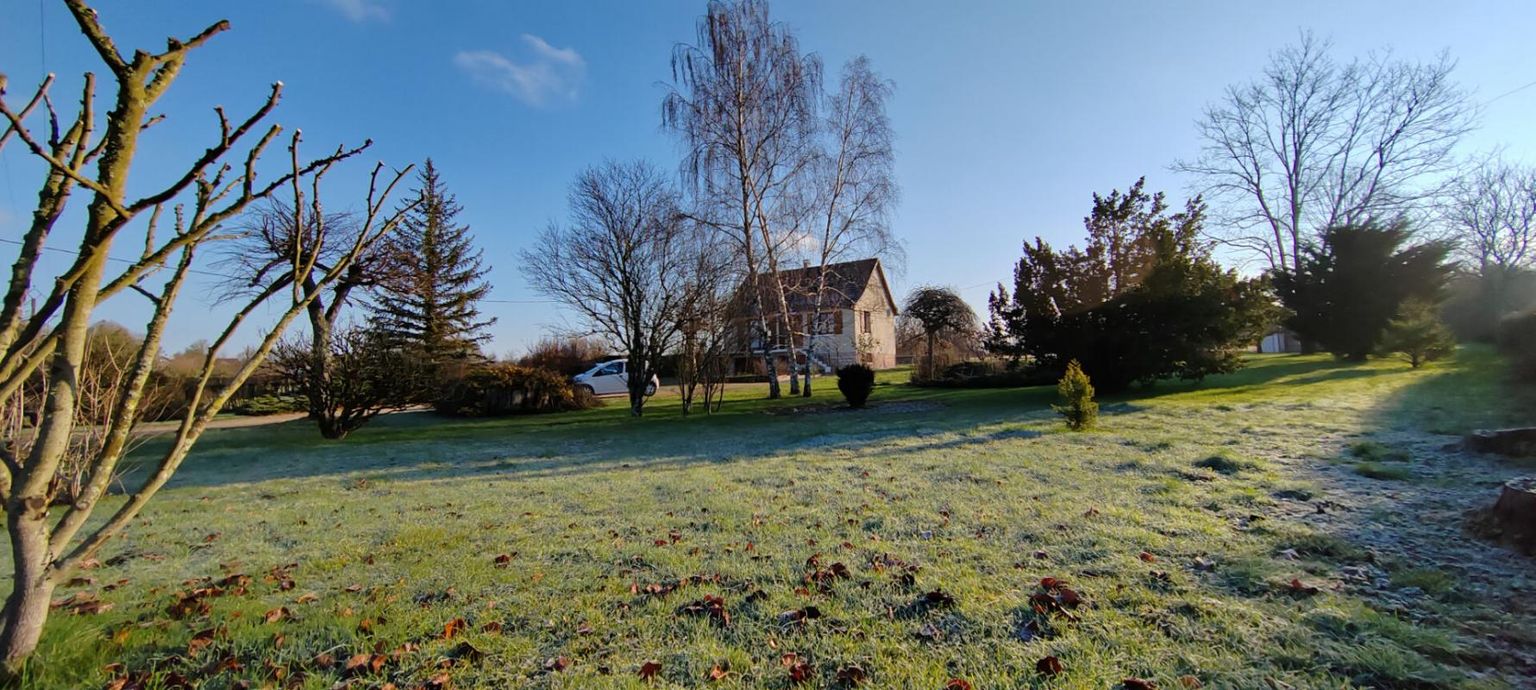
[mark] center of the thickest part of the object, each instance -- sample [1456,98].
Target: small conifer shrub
[1077,404]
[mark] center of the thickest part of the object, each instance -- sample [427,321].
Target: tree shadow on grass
[421,445]
[1407,525]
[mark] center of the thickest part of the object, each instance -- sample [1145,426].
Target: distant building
[856,321]
[1280,340]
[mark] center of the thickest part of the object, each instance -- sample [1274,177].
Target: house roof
[846,283]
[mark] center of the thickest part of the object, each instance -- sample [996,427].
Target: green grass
[1376,470]
[1374,452]
[611,527]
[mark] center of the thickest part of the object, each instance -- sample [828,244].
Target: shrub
[856,381]
[1077,403]
[1014,378]
[1417,334]
[971,369]
[1517,340]
[502,389]
[565,355]
[268,404]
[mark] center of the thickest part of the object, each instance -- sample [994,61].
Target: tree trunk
[929,373]
[1515,511]
[810,349]
[636,401]
[1517,442]
[27,606]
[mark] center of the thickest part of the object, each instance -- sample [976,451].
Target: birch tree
[93,156]
[1315,143]
[742,104]
[854,186]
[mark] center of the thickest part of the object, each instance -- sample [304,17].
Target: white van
[610,378]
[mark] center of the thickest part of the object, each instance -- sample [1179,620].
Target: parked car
[610,378]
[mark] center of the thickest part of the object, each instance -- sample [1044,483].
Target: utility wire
[212,274]
[1510,92]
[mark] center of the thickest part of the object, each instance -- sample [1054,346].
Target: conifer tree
[428,299]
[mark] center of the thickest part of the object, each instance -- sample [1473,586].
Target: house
[854,320]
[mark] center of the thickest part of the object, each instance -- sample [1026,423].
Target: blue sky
[1008,114]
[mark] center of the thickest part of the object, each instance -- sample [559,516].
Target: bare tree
[1490,214]
[1315,143]
[1491,211]
[743,105]
[295,244]
[854,188]
[48,547]
[624,264]
[705,325]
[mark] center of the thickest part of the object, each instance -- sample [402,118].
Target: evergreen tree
[1417,334]
[1343,293]
[427,301]
[1142,300]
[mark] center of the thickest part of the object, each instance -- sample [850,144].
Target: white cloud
[360,10]
[548,73]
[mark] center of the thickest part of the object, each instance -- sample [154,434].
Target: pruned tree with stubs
[91,154]
[1315,142]
[295,244]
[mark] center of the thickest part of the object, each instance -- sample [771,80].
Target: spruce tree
[428,300]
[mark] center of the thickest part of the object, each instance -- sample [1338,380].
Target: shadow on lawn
[421,446]
[1412,524]
[413,446]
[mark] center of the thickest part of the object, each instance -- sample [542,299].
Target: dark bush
[268,404]
[965,370]
[1517,340]
[998,378]
[746,378]
[856,381]
[499,389]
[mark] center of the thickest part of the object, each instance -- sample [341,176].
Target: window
[827,322]
[866,324]
[611,369]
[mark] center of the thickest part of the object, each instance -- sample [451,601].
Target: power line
[1510,92]
[212,274]
[71,252]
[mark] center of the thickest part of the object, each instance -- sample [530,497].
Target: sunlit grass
[1163,520]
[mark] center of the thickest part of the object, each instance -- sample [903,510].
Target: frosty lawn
[1221,534]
